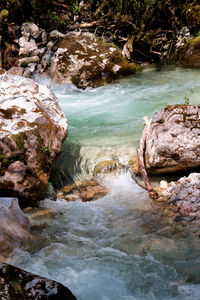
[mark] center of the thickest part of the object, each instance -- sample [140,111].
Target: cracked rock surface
[32,130]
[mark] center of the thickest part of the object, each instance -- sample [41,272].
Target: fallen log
[140,152]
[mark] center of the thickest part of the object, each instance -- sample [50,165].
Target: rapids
[118,247]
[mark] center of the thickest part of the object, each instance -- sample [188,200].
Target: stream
[117,247]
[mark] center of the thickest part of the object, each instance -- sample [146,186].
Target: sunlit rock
[18,284]
[163,184]
[32,130]
[87,61]
[14,228]
[173,139]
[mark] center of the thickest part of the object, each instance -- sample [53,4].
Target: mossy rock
[87,61]
[107,167]
[189,56]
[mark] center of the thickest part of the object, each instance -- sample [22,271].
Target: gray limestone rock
[14,228]
[32,130]
[173,140]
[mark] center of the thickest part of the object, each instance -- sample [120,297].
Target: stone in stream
[14,228]
[88,190]
[39,217]
[107,166]
[87,61]
[173,140]
[32,130]
[18,284]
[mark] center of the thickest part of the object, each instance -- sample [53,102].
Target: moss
[19,140]
[43,153]
[5,163]
[194,40]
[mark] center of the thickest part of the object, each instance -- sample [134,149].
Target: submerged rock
[39,216]
[173,139]
[18,284]
[86,191]
[32,130]
[87,62]
[14,228]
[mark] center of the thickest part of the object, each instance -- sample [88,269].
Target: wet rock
[86,191]
[32,130]
[172,142]
[39,216]
[14,228]
[18,284]
[87,62]
[107,166]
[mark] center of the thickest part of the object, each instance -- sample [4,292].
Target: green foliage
[75,5]
[45,149]
[186,100]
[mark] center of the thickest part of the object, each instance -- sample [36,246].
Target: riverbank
[140,31]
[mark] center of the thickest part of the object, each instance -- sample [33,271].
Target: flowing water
[118,247]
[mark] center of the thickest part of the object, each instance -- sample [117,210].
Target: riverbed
[120,246]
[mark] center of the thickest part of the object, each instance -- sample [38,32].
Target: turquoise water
[118,247]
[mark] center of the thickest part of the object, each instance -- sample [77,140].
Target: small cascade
[119,246]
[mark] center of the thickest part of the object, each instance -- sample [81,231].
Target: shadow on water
[66,166]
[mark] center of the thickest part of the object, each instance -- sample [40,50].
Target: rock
[16,71]
[55,34]
[173,139]
[14,228]
[189,55]
[27,47]
[18,284]
[183,37]
[32,130]
[86,191]
[86,62]
[184,196]
[24,62]
[39,216]
[30,30]
[107,166]
[163,184]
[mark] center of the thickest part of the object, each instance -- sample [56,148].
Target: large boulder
[87,61]
[18,284]
[173,140]
[32,130]
[14,228]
